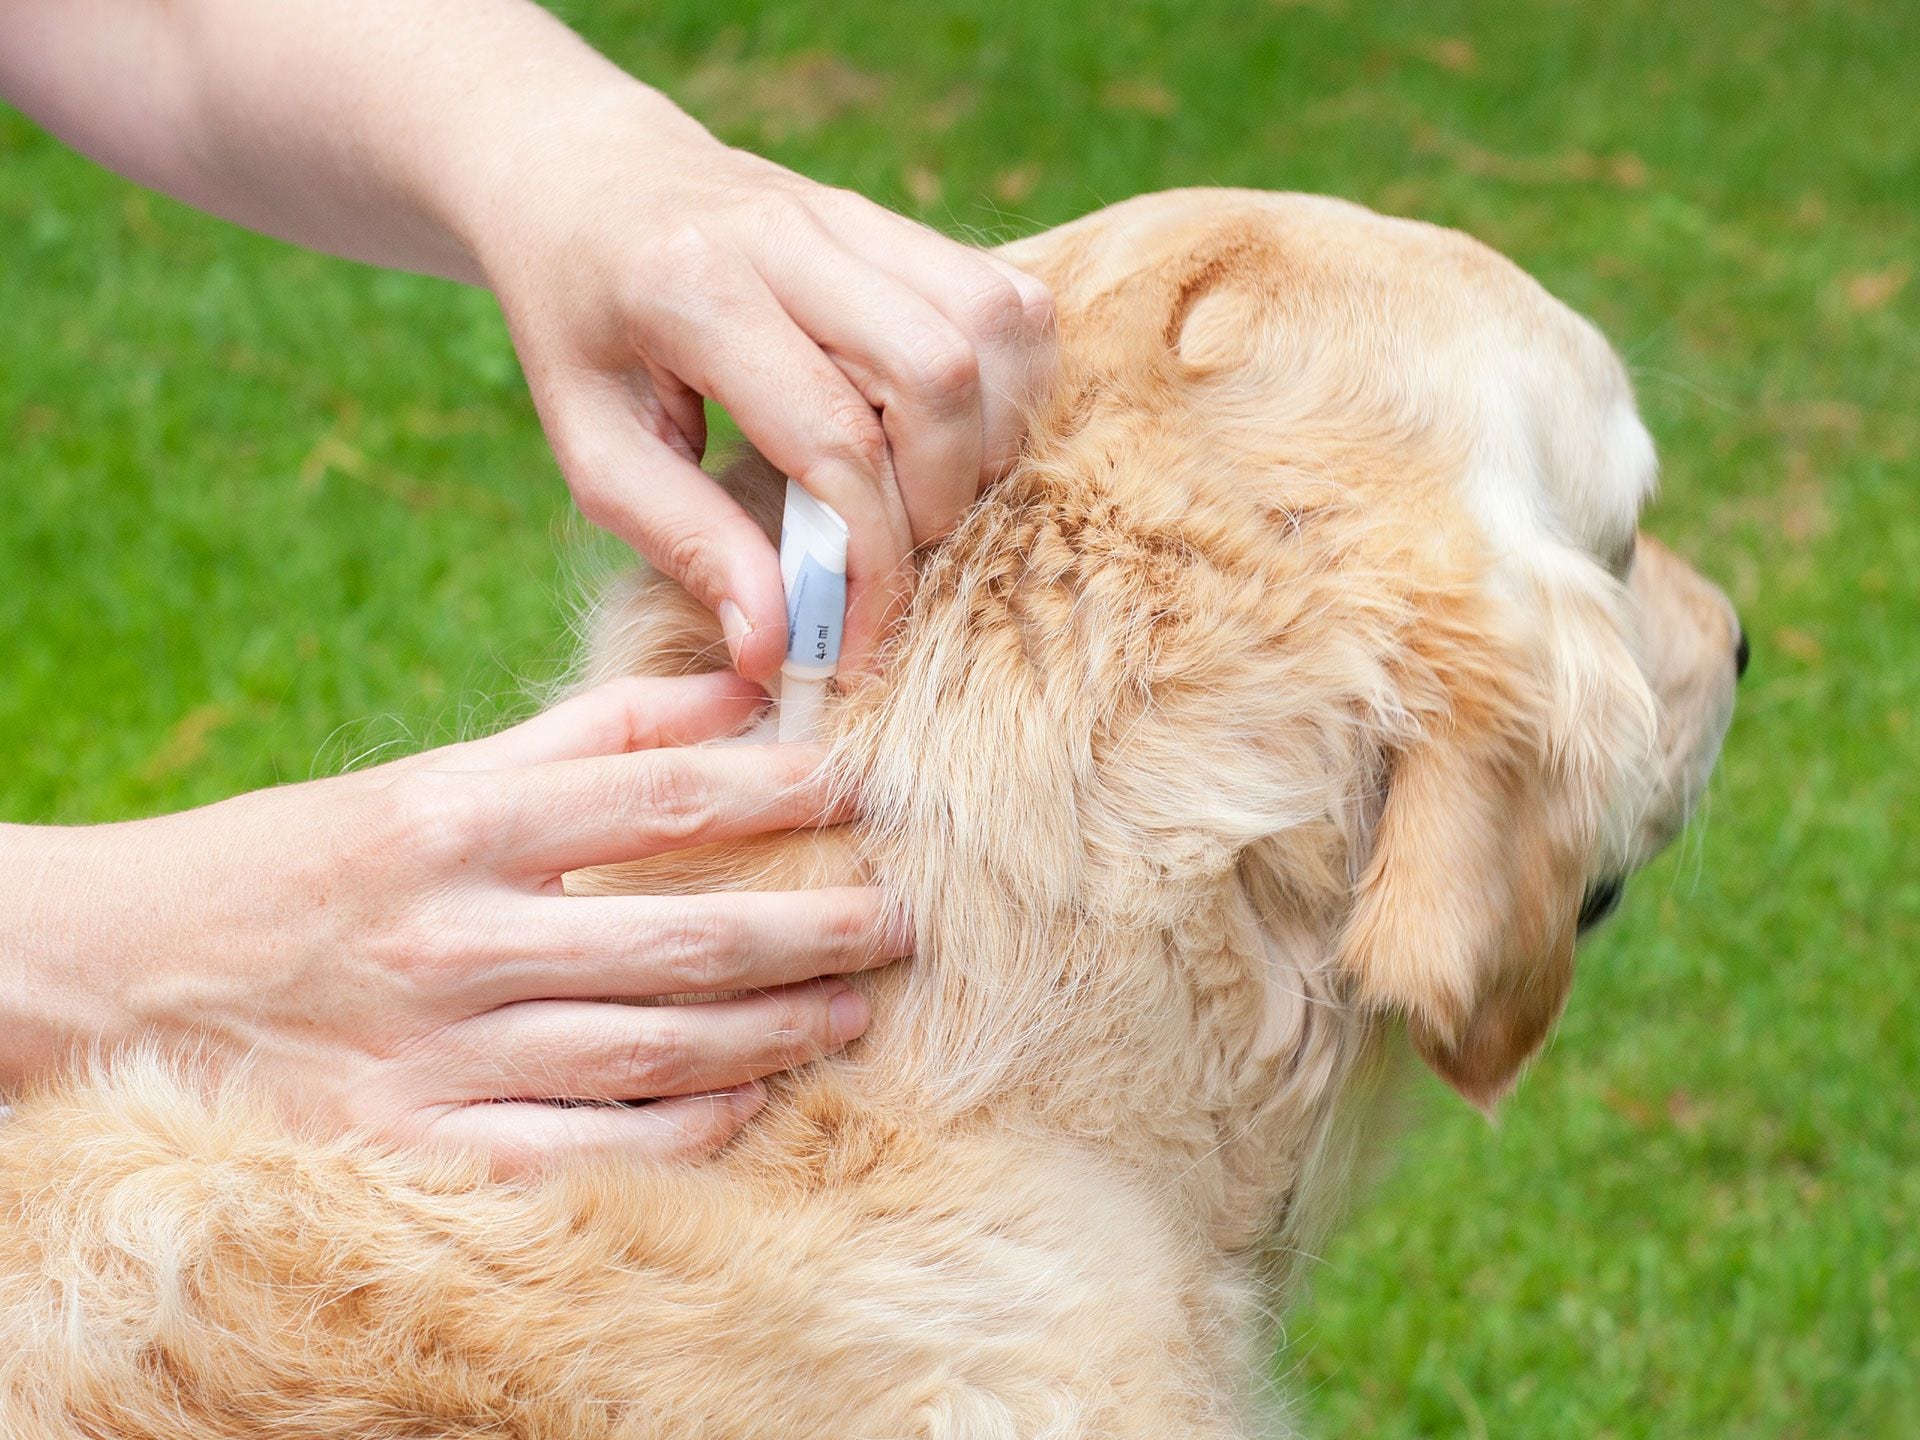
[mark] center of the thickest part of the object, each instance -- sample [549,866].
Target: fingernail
[736,627]
[846,1016]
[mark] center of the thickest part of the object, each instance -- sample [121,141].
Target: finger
[629,481]
[1006,314]
[1036,298]
[729,337]
[635,712]
[587,947]
[580,1050]
[521,1138]
[911,363]
[548,819]
[1031,372]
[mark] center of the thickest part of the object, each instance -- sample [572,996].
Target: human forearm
[108,933]
[44,1000]
[379,131]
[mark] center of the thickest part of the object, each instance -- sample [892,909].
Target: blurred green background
[265,514]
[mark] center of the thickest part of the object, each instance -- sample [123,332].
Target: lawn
[265,514]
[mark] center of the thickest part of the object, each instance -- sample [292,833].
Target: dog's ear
[1466,912]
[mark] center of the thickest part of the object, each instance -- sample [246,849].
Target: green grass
[263,512]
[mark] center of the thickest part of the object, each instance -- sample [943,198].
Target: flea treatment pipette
[813,568]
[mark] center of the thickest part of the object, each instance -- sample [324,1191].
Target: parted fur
[1286,693]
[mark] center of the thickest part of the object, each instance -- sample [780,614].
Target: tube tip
[801,704]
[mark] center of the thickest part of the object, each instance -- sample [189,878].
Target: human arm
[640,263]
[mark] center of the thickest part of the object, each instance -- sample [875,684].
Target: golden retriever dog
[1279,715]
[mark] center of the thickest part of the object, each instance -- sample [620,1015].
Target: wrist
[537,165]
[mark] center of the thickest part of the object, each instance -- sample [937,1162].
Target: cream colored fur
[1288,695]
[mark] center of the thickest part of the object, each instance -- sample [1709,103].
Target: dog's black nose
[1742,653]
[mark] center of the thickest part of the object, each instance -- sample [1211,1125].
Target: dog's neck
[1126,828]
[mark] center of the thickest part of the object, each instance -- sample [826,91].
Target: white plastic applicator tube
[813,568]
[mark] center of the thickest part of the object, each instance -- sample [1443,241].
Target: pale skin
[390,950]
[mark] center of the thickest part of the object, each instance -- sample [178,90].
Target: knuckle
[686,278]
[841,199]
[694,557]
[853,925]
[996,312]
[419,952]
[833,209]
[803,1030]
[675,804]
[770,213]
[656,1060]
[347,1110]
[431,815]
[698,950]
[1036,308]
[687,254]
[855,434]
[700,1130]
[944,368]
[416,953]
[512,1155]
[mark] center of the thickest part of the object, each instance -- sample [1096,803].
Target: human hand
[642,265]
[392,952]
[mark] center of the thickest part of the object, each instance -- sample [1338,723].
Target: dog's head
[1555,700]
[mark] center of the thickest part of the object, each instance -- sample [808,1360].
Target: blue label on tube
[816,612]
